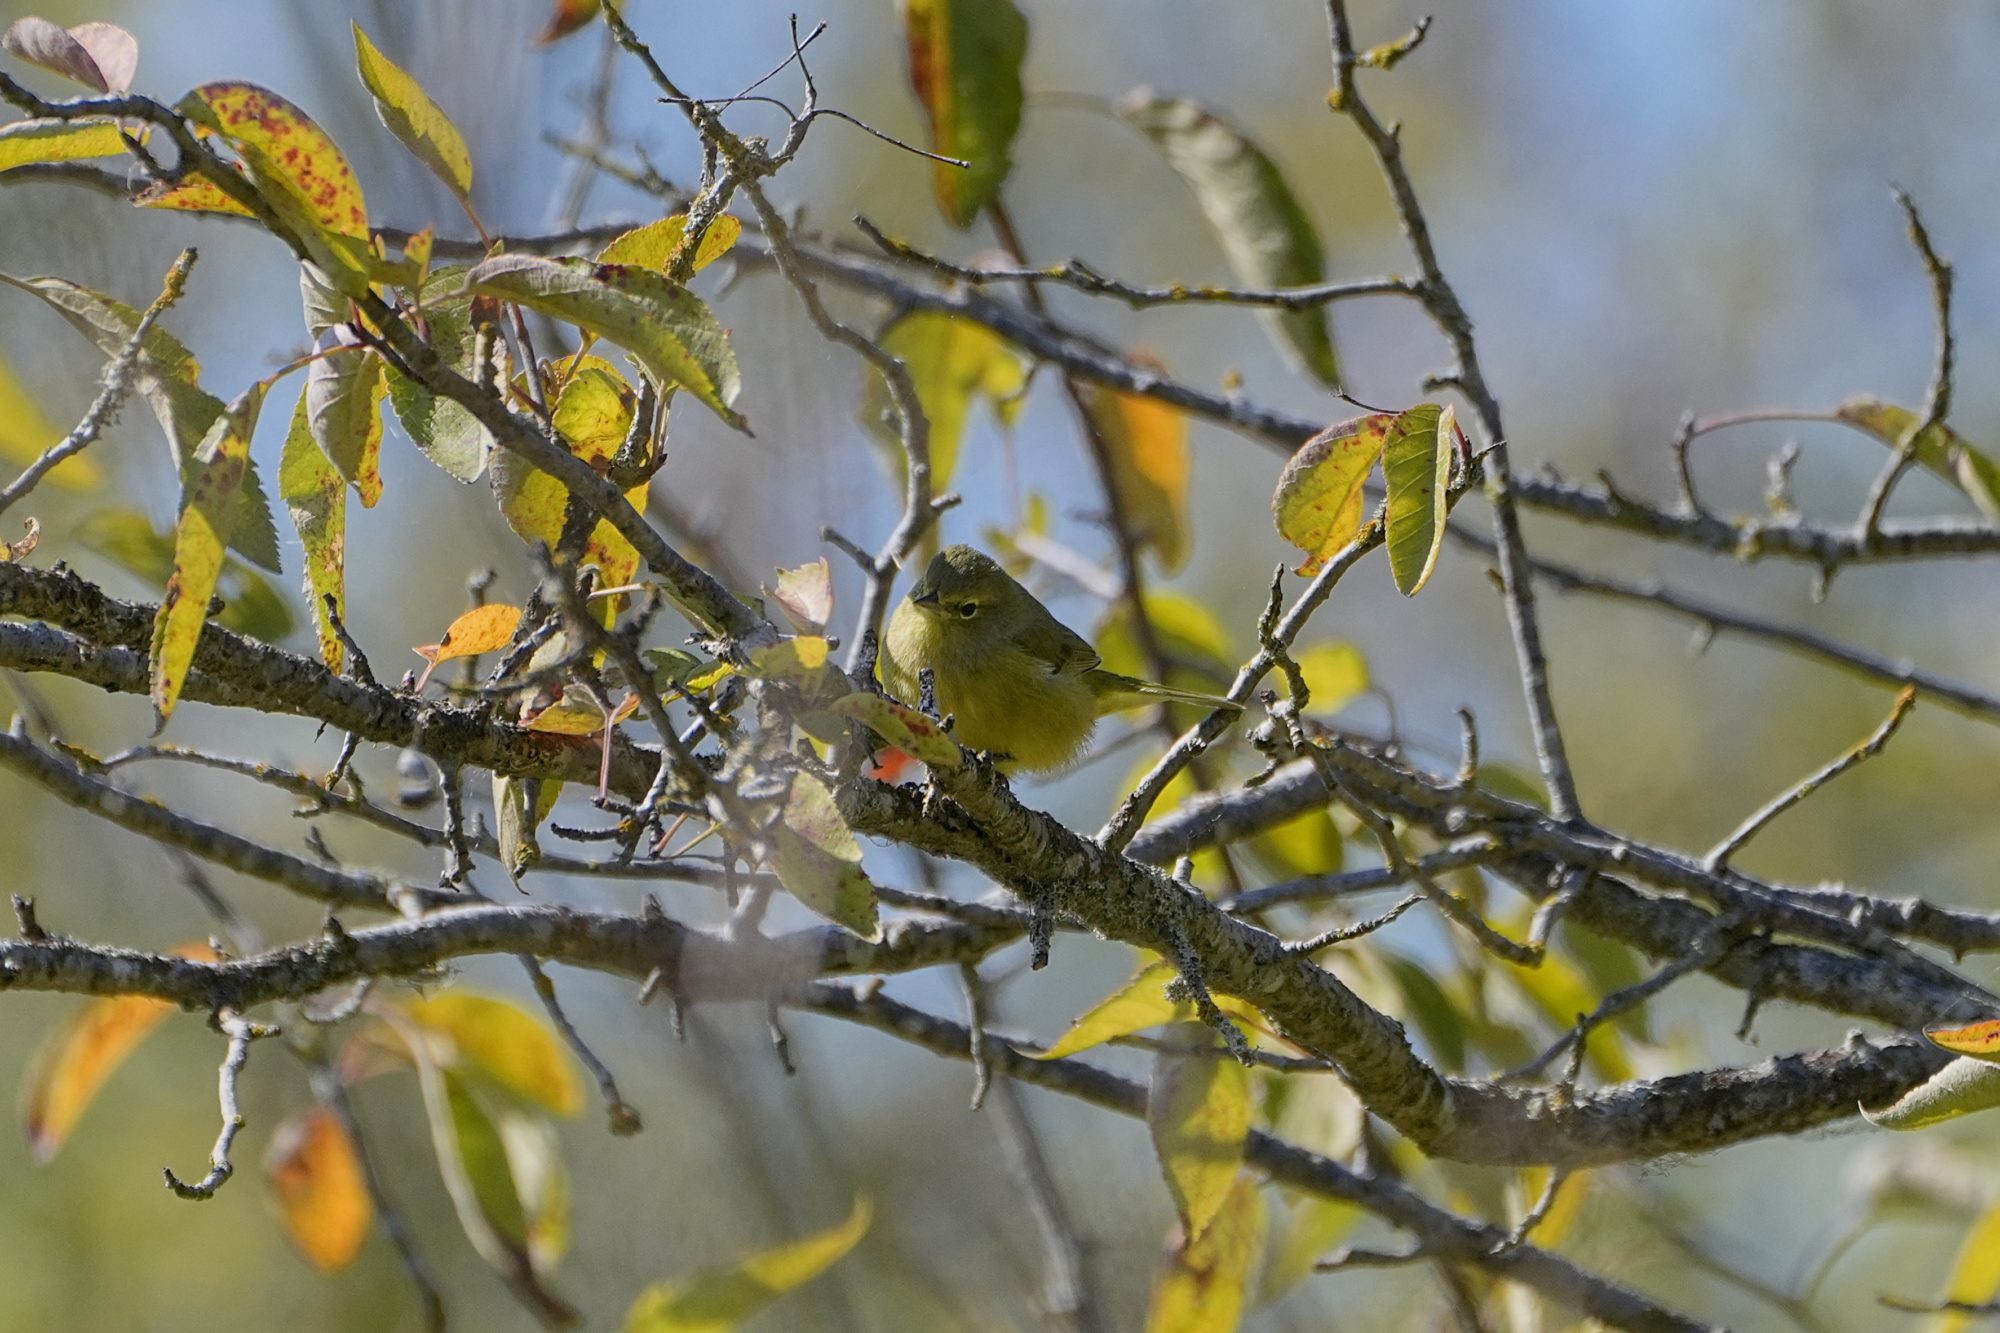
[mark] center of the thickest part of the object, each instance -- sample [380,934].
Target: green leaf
[317,498]
[1198,1108]
[719,1300]
[965,64]
[413,117]
[1265,234]
[1940,450]
[1435,1015]
[25,434]
[817,858]
[1318,502]
[1308,1232]
[1204,1283]
[208,507]
[29,141]
[165,375]
[344,412]
[952,362]
[671,332]
[519,806]
[1416,461]
[448,434]
[655,244]
[127,537]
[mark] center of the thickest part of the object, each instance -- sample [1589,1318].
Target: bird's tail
[1116,692]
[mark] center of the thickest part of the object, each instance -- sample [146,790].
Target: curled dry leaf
[102,56]
[805,595]
[480,630]
[25,547]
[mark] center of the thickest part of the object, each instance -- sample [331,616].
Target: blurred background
[1648,208]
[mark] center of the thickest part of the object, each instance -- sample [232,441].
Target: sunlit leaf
[315,1178]
[1561,991]
[1967,1084]
[818,859]
[1416,462]
[128,538]
[208,508]
[79,1054]
[502,1041]
[965,64]
[1203,1285]
[901,726]
[1980,1040]
[1307,844]
[720,1300]
[1265,234]
[671,332]
[317,498]
[25,434]
[1139,1004]
[952,362]
[481,630]
[344,410]
[29,141]
[656,244]
[165,376]
[1940,450]
[519,807]
[805,595]
[1318,503]
[1188,632]
[413,117]
[1336,675]
[448,434]
[578,712]
[1975,1274]
[1198,1108]
[801,658]
[101,56]
[1148,443]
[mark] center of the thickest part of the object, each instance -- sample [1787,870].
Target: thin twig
[624,1119]
[241,1033]
[1937,399]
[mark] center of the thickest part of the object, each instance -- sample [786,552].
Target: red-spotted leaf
[903,727]
[165,376]
[1198,1108]
[29,141]
[1416,462]
[208,508]
[670,331]
[313,491]
[413,117]
[100,56]
[818,859]
[315,1178]
[1265,234]
[344,412]
[1318,502]
[965,64]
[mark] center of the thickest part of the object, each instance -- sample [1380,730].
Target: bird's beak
[924,599]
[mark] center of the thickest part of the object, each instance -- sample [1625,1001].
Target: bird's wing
[1060,648]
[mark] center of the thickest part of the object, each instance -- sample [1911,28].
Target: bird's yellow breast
[1002,699]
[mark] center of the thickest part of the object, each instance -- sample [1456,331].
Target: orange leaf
[1980,1039]
[314,1174]
[480,630]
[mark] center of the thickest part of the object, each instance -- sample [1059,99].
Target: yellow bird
[1020,684]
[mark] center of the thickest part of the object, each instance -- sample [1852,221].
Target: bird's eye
[968,609]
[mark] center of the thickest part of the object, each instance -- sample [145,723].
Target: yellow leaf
[413,117]
[1310,1228]
[1139,1004]
[79,1055]
[25,434]
[802,658]
[481,630]
[965,64]
[1336,675]
[1148,443]
[951,362]
[1940,450]
[721,1299]
[578,713]
[1198,1108]
[315,1177]
[208,509]
[1203,1284]
[29,141]
[1318,502]
[655,244]
[1975,1277]
[1980,1040]
[816,856]
[312,489]
[1562,1214]
[519,807]
[1187,632]
[504,1042]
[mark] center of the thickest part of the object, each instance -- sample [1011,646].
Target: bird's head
[962,584]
